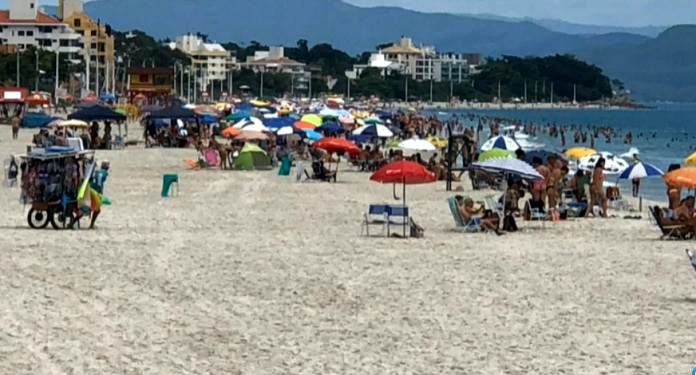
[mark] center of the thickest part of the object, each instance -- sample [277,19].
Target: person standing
[15,127]
[636,181]
[96,191]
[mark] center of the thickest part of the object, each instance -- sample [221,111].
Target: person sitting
[511,198]
[466,212]
[682,215]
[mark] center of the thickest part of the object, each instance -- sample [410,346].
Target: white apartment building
[23,25]
[422,63]
[273,60]
[210,60]
[378,61]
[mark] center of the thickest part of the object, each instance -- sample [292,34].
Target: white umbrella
[247,121]
[380,131]
[415,144]
[629,154]
[251,127]
[502,142]
[510,166]
[612,165]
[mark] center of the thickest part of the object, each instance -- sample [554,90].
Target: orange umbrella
[251,136]
[304,125]
[230,132]
[682,178]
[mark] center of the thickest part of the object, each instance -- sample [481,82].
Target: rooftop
[280,61]
[41,18]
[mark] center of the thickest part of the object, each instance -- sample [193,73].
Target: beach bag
[416,230]
[509,224]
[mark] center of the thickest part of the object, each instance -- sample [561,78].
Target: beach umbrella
[629,154]
[682,178]
[579,152]
[417,145]
[230,132]
[373,121]
[337,145]
[438,142]
[329,127]
[289,130]
[496,153]
[379,131]
[640,170]
[509,166]
[348,120]
[312,135]
[277,123]
[502,142]
[252,127]
[405,173]
[312,119]
[71,124]
[304,125]
[691,160]
[612,165]
[251,136]
[238,116]
[248,121]
[328,112]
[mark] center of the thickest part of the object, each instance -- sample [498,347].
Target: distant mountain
[348,27]
[663,68]
[659,68]
[576,28]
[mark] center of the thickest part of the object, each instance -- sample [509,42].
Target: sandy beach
[251,273]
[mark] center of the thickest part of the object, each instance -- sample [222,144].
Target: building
[421,63]
[149,82]
[378,61]
[96,44]
[210,61]
[274,61]
[23,26]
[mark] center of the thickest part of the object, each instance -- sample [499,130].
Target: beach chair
[376,215]
[299,171]
[400,213]
[493,205]
[211,158]
[319,174]
[673,231]
[692,259]
[119,143]
[536,215]
[472,226]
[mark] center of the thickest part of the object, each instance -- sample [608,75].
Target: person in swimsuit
[673,192]
[539,187]
[552,181]
[597,188]
[636,181]
[466,211]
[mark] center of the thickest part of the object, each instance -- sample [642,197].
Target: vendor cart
[50,182]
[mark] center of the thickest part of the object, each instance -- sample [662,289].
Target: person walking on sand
[15,127]
[636,181]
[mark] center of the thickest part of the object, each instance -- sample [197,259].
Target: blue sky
[594,12]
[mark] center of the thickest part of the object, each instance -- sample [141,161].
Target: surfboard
[89,171]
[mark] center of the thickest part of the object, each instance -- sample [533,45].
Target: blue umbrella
[502,142]
[640,170]
[395,129]
[243,107]
[277,123]
[329,127]
[383,114]
[207,119]
[312,135]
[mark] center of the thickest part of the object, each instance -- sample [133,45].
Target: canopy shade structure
[179,113]
[97,113]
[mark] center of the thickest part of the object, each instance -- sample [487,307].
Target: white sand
[249,273]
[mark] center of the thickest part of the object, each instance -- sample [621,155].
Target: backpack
[416,230]
[509,224]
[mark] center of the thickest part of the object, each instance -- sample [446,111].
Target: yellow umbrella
[437,142]
[579,152]
[312,119]
[360,121]
[259,103]
[691,160]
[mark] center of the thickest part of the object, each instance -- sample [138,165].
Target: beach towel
[211,158]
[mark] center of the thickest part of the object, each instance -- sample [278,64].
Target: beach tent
[97,113]
[174,113]
[252,157]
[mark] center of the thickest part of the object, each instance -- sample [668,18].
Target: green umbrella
[496,153]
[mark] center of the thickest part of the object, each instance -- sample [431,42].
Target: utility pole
[575,92]
[263,70]
[406,90]
[500,99]
[431,89]
[536,92]
[96,72]
[551,92]
[525,91]
[88,62]
[17,71]
[188,89]
[348,97]
[57,83]
[38,72]
[181,80]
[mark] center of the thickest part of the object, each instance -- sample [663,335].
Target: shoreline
[489,106]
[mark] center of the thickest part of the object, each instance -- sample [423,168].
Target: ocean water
[674,126]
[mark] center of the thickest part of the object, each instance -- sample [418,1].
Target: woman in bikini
[673,194]
[597,188]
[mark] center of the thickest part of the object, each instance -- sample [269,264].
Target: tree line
[558,78]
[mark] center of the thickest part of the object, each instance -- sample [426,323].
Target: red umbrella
[403,172]
[336,145]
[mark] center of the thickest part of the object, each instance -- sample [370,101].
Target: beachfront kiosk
[151,83]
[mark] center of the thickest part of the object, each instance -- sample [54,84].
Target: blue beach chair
[472,226]
[400,213]
[376,215]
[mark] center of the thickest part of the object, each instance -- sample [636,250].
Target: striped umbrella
[640,170]
[502,142]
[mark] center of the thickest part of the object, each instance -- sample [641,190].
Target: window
[77,22]
[31,5]
[93,33]
[143,78]
[20,33]
[30,33]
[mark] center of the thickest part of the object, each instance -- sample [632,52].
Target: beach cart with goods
[51,182]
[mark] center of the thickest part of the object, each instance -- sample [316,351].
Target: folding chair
[397,211]
[376,215]
[471,226]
